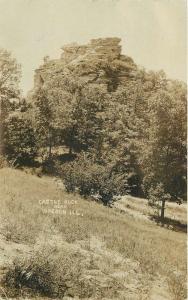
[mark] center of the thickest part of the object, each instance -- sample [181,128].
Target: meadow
[58,245]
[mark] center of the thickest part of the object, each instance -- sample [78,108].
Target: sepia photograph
[93,149]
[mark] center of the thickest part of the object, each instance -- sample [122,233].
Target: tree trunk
[50,151]
[50,144]
[162,210]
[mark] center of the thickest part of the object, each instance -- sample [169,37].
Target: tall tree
[10,72]
[44,121]
[163,149]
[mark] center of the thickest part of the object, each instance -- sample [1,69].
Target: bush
[48,272]
[3,162]
[176,285]
[89,178]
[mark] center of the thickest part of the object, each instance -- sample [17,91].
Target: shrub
[88,178]
[176,285]
[47,272]
[3,162]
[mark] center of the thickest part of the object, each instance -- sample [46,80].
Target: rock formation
[99,62]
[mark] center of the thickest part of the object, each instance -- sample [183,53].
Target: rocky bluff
[99,62]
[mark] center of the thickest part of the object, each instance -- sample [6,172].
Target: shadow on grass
[171,224]
[66,157]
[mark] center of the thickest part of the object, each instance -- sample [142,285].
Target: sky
[153,32]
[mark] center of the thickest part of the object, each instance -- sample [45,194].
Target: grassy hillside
[91,252]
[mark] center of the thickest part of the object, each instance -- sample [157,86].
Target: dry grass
[124,253]
[176,285]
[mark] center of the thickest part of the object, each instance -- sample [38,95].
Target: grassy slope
[120,256]
[139,208]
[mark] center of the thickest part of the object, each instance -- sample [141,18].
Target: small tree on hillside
[157,199]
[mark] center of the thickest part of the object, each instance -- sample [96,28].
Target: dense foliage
[131,137]
[19,139]
[101,181]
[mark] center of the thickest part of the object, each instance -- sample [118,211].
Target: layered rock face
[97,48]
[99,62]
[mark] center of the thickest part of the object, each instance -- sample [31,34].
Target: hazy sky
[153,32]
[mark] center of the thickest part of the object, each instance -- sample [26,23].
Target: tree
[19,139]
[163,150]
[73,110]
[10,72]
